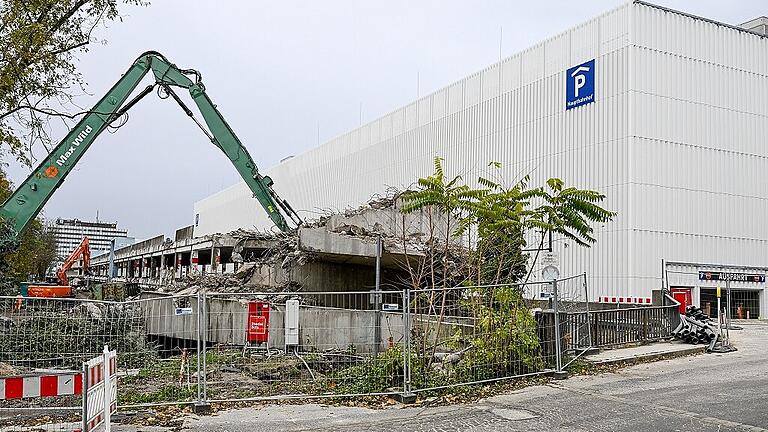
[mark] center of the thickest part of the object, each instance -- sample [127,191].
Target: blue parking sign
[580,85]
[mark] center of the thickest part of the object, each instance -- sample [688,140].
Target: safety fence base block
[560,375]
[203,408]
[405,398]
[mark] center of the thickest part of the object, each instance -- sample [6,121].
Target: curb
[651,356]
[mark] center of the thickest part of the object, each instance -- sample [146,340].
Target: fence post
[107,390]
[205,339]
[586,297]
[199,359]
[645,325]
[596,330]
[85,382]
[558,360]
[407,341]
[377,300]
[407,396]
[201,405]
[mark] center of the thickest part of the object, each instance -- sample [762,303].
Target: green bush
[505,342]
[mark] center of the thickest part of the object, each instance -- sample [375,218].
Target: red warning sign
[258,322]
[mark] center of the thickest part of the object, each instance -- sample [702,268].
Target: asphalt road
[710,392]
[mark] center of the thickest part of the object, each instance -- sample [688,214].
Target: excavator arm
[82,250]
[30,197]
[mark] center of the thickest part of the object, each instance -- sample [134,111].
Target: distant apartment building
[70,232]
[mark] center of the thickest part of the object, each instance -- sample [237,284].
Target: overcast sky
[278,69]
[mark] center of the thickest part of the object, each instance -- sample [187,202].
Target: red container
[258,322]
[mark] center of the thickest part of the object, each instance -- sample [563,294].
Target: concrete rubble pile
[333,252]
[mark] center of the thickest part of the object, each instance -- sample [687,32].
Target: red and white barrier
[625,300]
[100,400]
[20,387]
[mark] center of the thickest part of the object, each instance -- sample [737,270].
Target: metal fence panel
[466,335]
[341,345]
[155,339]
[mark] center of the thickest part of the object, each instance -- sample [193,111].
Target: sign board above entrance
[580,85]
[733,277]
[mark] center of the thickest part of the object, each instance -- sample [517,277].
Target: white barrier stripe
[31,387]
[66,384]
[38,386]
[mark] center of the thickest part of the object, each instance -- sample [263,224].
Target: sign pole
[728,312]
[719,314]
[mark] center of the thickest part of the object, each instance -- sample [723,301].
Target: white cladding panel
[673,139]
[699,154]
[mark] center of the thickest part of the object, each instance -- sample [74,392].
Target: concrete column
[194,262]
[696,296]
[215,259]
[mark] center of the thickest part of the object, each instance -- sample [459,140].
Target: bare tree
[39,41]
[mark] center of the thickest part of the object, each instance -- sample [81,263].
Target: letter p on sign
[579,80]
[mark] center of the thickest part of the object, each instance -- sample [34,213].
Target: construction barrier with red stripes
[98,388]
[20,387]
[100,399]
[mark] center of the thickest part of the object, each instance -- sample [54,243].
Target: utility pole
[111,269]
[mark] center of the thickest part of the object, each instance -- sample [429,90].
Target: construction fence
[211,347]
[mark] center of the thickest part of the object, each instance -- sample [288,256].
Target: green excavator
[29,198]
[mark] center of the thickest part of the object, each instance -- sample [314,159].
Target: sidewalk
[642,353]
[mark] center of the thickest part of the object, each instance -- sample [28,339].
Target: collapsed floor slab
[336,252]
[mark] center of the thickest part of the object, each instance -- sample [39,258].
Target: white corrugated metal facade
[675,138]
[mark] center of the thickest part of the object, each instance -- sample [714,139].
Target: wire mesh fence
[44,342]
[209,347]
[261,345]
[466,335]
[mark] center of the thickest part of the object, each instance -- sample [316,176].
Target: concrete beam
[348,249]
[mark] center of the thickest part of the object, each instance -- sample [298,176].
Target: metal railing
[615,327]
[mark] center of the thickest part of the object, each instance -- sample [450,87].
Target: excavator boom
[30,197]
[82,250]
